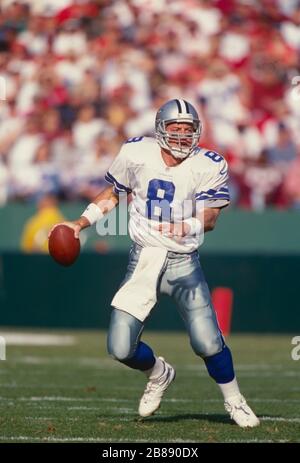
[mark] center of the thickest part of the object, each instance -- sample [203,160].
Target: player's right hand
[74,225]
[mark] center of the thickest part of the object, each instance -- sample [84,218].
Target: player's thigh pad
[185,282]
[123,335]
[205,336]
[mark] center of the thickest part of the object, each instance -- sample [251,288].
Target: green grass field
[76,393]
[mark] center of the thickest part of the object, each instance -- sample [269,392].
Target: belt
[171,254]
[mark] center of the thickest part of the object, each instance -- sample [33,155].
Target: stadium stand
[82,76]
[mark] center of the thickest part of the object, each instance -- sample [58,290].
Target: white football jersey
[167,194]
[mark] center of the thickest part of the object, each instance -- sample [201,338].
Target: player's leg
[185,282]
[123,341]
[125,330]
[124,345]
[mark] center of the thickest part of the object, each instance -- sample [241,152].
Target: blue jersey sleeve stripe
[117,190]
[217,195]
[201,197]
[212,196]
[213,192]
[210,192]
[108,179]
[111,179]
[220,196]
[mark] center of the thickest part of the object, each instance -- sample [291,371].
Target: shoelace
[243,406]
[152,386]
[150,390]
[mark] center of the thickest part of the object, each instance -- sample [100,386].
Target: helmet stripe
[182,106]
[186,106]
[178,106]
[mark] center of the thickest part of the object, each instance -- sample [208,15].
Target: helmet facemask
[185,142]
[181,144]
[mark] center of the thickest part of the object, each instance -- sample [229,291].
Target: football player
[161,174]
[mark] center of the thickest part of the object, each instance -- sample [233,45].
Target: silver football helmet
[177,111]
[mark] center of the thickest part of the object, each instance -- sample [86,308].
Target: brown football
[63,246]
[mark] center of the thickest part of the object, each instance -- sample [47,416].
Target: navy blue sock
[143,358]
[220,366]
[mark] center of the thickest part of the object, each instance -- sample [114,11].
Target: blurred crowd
[78,77]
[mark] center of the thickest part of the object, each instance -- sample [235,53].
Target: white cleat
[155,390]
[240,412]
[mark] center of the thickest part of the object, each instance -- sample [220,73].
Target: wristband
[92,213]
[195,225]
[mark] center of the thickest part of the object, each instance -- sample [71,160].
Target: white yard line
[249,400]
[83,439]
[278,418]
[98,362]
[112,399]
[95,439]
[34,339]
[82,408]
[260,441]
[63,399]
[132,412]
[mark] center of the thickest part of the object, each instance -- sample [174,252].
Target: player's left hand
[174,230]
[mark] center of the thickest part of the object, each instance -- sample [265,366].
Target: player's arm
[206,222]
[104,202]
[101,205]
[194,225]
[117,177]
[210,216]
[213,195]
